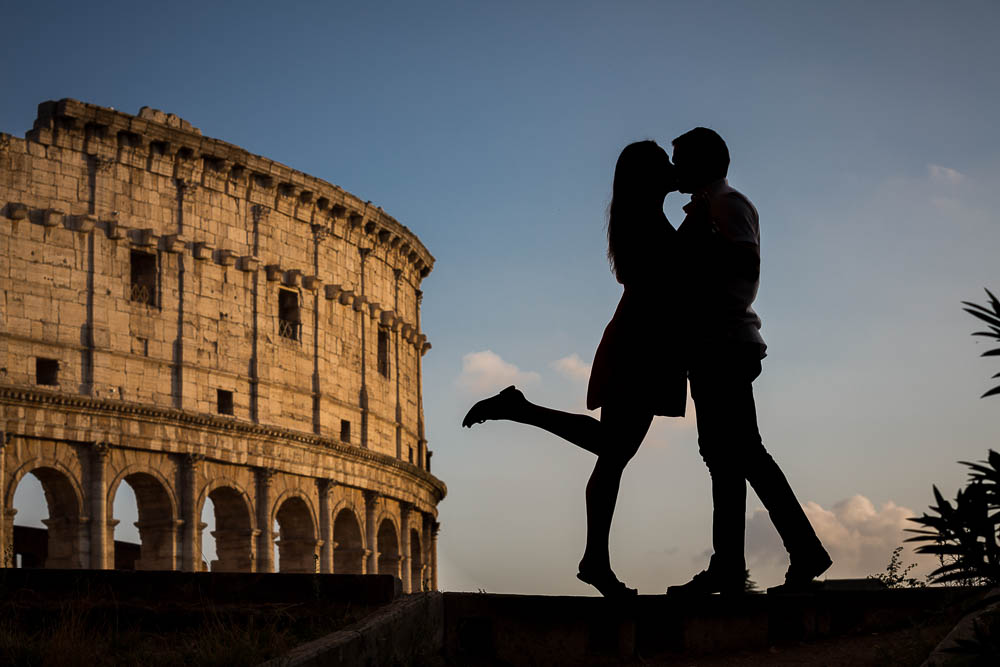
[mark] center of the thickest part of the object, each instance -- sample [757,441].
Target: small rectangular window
[143,287]
[46,371]
[225,402]
[289,317]
[411,454]
[345,430]
[383,351]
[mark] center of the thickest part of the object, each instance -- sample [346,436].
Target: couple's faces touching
[682,172]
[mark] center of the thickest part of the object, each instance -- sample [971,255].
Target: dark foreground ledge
[218,587]
[469,629]
[483,629]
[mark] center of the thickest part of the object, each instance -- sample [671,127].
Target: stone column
[191,526]
[435,527]
[6,534]
[325,525]
[365,321]
[7,520]
[265,536]
[404,549]
[371,533]
[99,506]
[425,547]
[421,441]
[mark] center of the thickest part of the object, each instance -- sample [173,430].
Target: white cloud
[572,367]
[859,537]
[485,371]
[944,175]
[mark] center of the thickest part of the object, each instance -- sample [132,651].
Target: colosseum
[201,323]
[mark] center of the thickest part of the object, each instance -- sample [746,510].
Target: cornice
[28,397]
[95,130]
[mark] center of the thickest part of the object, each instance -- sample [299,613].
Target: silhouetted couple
[685,314]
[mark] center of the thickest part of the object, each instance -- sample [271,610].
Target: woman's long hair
[641,177]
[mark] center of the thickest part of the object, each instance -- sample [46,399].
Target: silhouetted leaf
[990,319]
[994,301]
[992,392]
[995,352]
[940,549]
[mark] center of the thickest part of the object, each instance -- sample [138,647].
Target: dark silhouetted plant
[963,535]
[896,574]
[992,318]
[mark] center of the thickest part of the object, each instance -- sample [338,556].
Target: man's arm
[737,224]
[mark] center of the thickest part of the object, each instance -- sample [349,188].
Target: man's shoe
[707,582]
[802,573]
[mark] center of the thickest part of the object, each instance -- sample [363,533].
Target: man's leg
[718,433]
[769,482]
[730,444]
[774,491]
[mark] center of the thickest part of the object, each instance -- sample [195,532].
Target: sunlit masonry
[198,322]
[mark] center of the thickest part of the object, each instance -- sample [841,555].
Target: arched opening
[205,547]
[416,562]
[154,521]
[296,537]
[348,550]
[388,549]
[61,543]
[123,528]
[233,533]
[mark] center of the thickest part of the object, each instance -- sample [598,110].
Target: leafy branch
[992,318]
[963,535]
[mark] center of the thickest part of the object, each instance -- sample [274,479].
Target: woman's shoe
[607,584]
[502,406]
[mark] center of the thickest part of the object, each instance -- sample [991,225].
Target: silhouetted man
[722,238]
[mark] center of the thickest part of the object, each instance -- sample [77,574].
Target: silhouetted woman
[637,371]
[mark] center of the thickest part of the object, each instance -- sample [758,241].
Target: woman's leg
[614,439]
[581,430]
[625,427]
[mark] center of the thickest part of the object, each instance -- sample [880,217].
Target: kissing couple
[685,315]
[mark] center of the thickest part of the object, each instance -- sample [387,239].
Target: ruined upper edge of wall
[101,131]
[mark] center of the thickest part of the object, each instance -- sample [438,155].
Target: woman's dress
[640,360]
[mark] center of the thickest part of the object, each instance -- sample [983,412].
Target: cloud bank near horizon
[859,537]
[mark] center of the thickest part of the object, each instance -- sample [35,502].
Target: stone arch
[348,546]
[416,562]
[234,527]
[388,547]
[67,525]
[297,540]
[158,521]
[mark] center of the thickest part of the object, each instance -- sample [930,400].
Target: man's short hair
[706,150]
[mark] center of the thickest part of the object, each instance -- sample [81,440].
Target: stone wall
[170,300]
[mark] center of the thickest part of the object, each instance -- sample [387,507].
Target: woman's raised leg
[614,439]
[581,430]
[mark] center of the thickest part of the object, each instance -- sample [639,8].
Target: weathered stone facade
[200,322]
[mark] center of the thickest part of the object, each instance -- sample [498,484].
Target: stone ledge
[403,633]
[213,586]
[551,630]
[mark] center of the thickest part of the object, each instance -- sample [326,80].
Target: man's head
[700,157]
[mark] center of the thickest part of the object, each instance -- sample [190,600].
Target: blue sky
[866,136]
